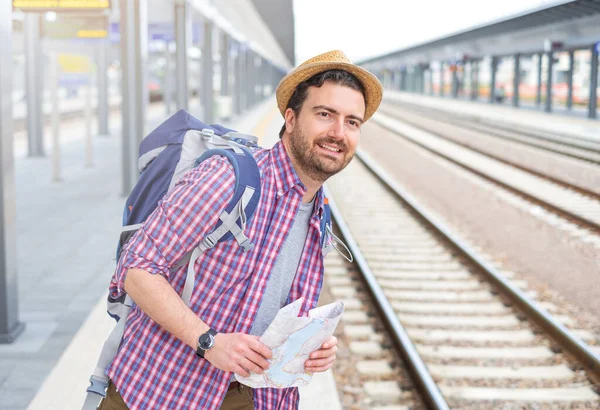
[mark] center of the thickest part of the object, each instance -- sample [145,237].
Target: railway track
[471,337]
[580,148]
[569,202]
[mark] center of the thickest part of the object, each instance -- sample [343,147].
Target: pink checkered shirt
[153,369]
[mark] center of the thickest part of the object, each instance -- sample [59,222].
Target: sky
[367,28]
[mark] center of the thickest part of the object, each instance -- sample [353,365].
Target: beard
[313,164]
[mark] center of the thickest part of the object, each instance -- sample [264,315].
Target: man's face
[325,133]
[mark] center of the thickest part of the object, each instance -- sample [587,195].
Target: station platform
[64,273]
[527,118]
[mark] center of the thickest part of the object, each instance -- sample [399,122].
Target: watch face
[206,341]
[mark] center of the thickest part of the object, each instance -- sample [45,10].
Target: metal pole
[403,81]
[516,79]
[475,82]
[441,78]
[430,80]
[538,95]
[238,81]
[54,100]
[455,82]
[249,78]
[570,79]
[258,63]
[548,105]
[10,326]
[102,85]
[167,87]
[593,104]
[89,144]
[207,74]
[493,65]
[225,45]
[134,51]
[34,85]
[183,37]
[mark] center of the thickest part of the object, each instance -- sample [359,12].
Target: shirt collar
[287,179]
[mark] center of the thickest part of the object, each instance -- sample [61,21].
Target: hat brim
[372,85]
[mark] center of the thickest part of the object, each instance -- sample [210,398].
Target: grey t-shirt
[284,271]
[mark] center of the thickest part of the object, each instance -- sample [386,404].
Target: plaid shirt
[153,369]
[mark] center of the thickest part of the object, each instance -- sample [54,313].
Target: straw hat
[332,60]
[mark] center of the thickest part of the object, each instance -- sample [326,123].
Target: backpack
[176,146]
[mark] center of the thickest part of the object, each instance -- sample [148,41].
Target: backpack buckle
[207,133]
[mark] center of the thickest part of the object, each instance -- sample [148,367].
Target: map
[292,339]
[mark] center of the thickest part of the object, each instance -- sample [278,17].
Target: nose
[336,130]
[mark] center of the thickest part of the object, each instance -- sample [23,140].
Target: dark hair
[339,77]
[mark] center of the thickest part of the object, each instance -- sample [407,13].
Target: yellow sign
[60,5]
[92,33]
[73,63]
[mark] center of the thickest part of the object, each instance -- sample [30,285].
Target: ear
[290,120]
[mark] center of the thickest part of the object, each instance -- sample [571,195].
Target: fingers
[329,343]
[260,348]
[321,365]
[259,363]
[323,353]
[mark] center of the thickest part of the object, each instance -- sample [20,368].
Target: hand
[322,359]
[239,353]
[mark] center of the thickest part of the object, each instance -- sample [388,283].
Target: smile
[329,148]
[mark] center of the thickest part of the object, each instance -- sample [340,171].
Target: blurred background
[472,208]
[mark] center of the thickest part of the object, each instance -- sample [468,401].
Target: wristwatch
[206,341]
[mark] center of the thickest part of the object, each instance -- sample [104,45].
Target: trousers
[238,397]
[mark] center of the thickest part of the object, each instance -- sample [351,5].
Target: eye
[354,123]
[324,114]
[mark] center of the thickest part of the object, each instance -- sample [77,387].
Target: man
[177,357]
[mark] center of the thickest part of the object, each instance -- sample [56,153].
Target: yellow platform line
[261,128]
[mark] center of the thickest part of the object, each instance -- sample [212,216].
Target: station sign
[40,6]
[69,27]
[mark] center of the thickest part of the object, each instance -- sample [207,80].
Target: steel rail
[425,384]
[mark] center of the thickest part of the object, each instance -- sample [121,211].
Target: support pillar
[34,85]
[168,80]
[593,104]
[250,70]
[134,60]
[225,46]
[10,326]
[455,82]
[493,65]
[240,78]
[538,94]
[430,79]
[403,81]
[570,79]
[516,80]
[183,37]
[207,94]
[548,104]
[441,78]
[475,80]
[103,92]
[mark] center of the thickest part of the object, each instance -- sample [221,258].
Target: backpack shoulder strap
[241,208]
